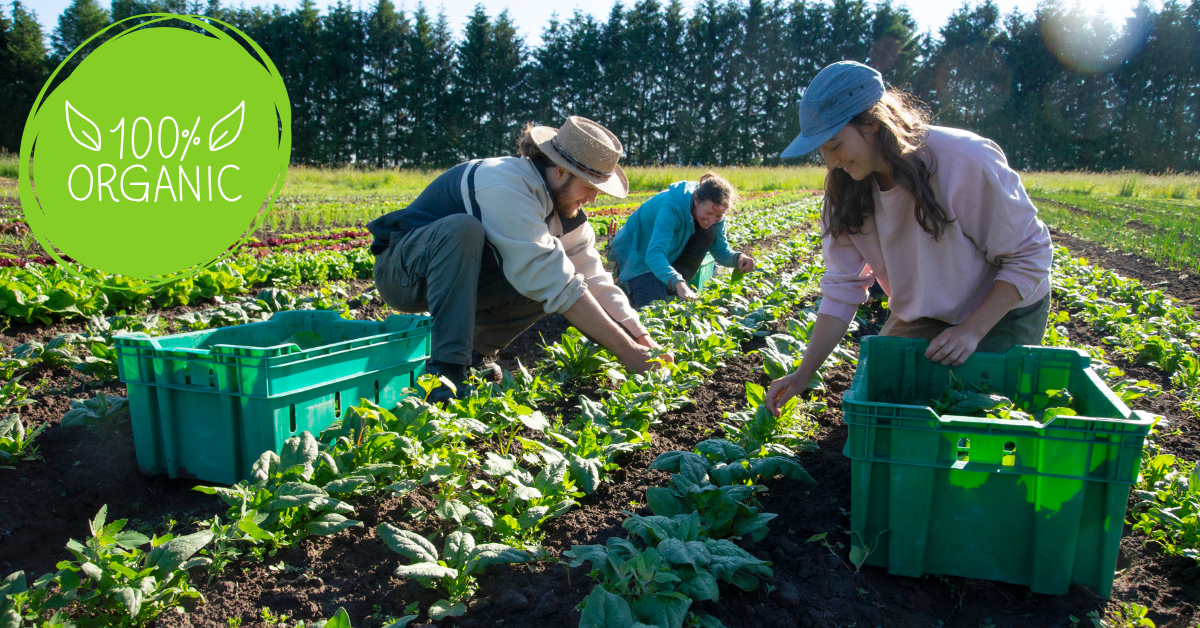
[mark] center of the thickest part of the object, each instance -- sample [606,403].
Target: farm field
[572,451]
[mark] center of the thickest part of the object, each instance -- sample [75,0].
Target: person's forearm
[1002,298]
[593,321]
[827,332]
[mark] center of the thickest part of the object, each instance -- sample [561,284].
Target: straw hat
[587,150]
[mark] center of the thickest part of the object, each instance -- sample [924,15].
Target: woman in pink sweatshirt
[934,214]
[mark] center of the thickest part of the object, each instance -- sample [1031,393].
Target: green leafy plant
[99,414]
[719,487]
[15,442]
[452,571]
[120,584]
[281,504]
[14,395]
[575,357]
[654,576]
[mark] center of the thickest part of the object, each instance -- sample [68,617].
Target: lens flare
[1093,40]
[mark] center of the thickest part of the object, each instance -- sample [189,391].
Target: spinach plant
[453,571]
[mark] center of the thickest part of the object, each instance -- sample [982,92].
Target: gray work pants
[438,269]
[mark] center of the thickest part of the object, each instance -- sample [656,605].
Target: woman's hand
[953,346]
[783,389]
[745,263]
[684,291]
[646,341]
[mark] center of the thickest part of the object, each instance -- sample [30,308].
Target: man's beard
[558,197]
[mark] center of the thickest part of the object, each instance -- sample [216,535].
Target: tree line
[718,83]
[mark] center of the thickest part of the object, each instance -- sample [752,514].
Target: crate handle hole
[1010,454]
[187,379]
[376,391]
[983,375]
[212,380]
[337,405]
[292,411]
[964,450]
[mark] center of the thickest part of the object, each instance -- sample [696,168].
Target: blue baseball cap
[839,92]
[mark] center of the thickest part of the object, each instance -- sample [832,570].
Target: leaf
[293,495]
[496,465]
[452,509]
[498,553]
[779,466]
[97,524]
[442,609]
[91,570]
[602,609]
[857,556]
[416,547]
[587,471]
[426,573]
[535,421]
[532,517]
[83,127]
[340,620]
[481,515]
[301,449]
[170,555]
[403,487]
[720,450]
[130,540]
[225,126]
[131,598]
[458,548]
[331,523]
[665,503]
[699,586]
[348,484]
[692,553]
[667,610]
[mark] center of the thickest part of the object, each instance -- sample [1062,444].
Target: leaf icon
[88,130]
[225,126]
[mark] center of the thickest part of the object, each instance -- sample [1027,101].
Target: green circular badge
[158,153]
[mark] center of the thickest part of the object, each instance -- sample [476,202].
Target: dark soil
[1180,284]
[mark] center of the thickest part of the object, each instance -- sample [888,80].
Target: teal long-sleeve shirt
[654,236]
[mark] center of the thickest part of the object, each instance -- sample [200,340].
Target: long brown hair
[902,129]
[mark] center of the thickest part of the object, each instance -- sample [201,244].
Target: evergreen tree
[341,77]
[428,134]
[79,21]
[22,72]
[386,52]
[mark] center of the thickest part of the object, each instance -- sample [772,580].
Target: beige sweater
[540,260]
[996,235]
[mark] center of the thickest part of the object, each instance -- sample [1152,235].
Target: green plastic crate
[206,404]
[1038,504]
[707,268]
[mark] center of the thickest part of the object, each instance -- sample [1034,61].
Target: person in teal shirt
[663,243]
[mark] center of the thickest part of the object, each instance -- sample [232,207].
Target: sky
[531,16]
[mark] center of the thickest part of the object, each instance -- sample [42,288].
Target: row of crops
[486,478]
[535,469]
[1161,229]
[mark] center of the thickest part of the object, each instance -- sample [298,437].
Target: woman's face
[854,150]
[708,213]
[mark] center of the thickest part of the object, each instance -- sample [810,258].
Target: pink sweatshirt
[996,234]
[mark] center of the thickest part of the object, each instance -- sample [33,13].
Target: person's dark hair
[526,147]
[902,129]
[714,187]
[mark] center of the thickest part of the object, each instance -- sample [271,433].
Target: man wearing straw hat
[492,245]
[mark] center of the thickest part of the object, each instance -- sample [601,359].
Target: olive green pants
[1021,326]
